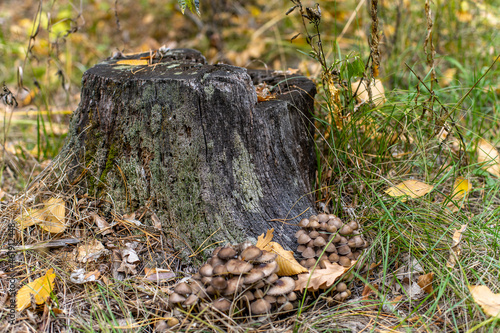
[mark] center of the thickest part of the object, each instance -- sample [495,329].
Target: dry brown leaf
[457,235]
[39,288]
[262,241]
[412,188]
[425,282]
[378,92]
[55,211]
[90,252]
[102,224]
[320,278]
[132,62]
[487,300]
[30,217]
[455,247]
[287,265]
[488,154]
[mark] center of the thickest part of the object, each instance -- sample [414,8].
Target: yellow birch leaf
[132,62]
[55,211]
[488,154]
[412,188]
[487,300]
[30,217]
[40,289]
[263,242]
[287,265]
[461,188]
[378,92]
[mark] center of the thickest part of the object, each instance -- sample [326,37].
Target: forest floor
[435,129]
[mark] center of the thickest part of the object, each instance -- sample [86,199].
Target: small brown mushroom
[344,261]
[243,246]
[319,242]
[287,306]
[343,249]
[247,296]
[334,257]
[222,304]
[251,253]
[304,239]
[272,278]
[350,255]
[323,226]
[211,290]
[331,248]
[311,243]
[323,218]
[253,276]
[219,283]
[313,234]
[335,238]
[322,263]
[234,285]
[260,306]
[344,295]
[265,257]
[310,262]
[220,270]
[270,299]
[304,223]
[191,300]
[313,218]
[314,224]
[353,224]
[226,253]
[237,267]
[260,284]
[175,298]
[331,228]
[196,276]
[345,230]
[268,268]
[258,293]
[282,286]
[301,248]
[281,299]
[182,289]
[292,296]
[308,253]
[206,280]
[341,287]
[300,232]
[216,261]
[335,221]
[206,270]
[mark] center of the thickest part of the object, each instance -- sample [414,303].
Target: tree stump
[191,142]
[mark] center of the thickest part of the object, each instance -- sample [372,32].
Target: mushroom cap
[222,304]
[260,284]
[331,228]
[247,296]
[191,300]
[314,234]
[310,262]
[216,261]
[341,287]
[287,306]
[336,222]
[251,253]
[206,280]
[313,218]
[220,270]
[320,241]
[196,276]
[308,253]
[331,248]
[282,286]
[268,268]
[353,224]
[265,257]
[176,298]
[299,232]
[219,283]
[260,306]
[206,270]
[235,266]
[243,246]
[344,261]
[314,224]
[258,293]
[253,276]
[303,239]
[216,251]
[270,299]
[182,289]
[234,285]
[334,257]
[226,253]
[210,290]
[345,230]
[272,278]
[301,248]
[281,299]
[342,249]
[323,218]
[292,296]
[304,223]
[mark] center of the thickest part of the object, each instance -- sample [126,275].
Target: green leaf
[193,5]
[355,68]
[182,4]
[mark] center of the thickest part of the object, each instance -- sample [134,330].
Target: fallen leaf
[132,62]
[378,92]
[79,276]
[287,265]
[369,290]
[128,253]
[158,274]
[425,282]
[487,300]
[102,224]
[262,241]
[39,288]
[412,188]
[156,222]
[30,217]
[488,154]
[90,252]
[461,188]
[54,216]
[320,278]
[457,235]
[455,247]
[126,268]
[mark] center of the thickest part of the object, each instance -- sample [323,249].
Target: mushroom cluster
[326,237]
[237,278]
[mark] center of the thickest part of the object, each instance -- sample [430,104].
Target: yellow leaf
[55,211]
[30,217]
[488,155]
[262,242]
[378,92]
[321,278]
[287,265]
[447,77]
[487,300]
[412,188]
[40,289]
[132,62]
[461,188]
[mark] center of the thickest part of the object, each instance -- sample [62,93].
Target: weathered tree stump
[191,142]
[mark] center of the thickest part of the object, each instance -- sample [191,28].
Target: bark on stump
[191,142]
